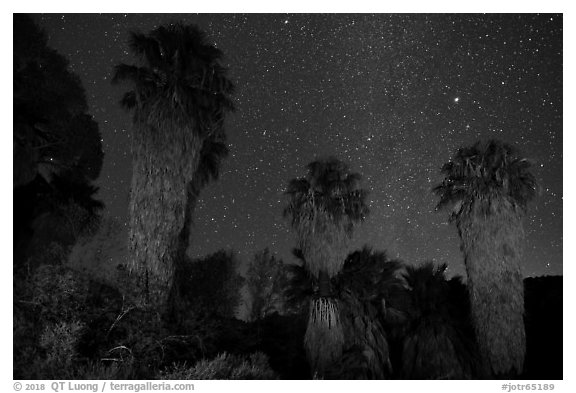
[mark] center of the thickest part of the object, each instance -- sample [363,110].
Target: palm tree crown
[180,78]
[484,178]
[324,206]
[331,187]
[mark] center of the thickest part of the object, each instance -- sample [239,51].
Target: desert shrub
[26,324]
[140,341]
[101,370]
[53,253]
[49,305]
[224,366]
[59,343]
[60,292]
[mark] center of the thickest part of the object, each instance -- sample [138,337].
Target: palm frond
[126,72]
[129,100]
[438,342]
[370,275]
[212,154]
[147,48]
[484,175]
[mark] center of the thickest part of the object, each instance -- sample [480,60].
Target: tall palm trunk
[184,238]
[324,338]
[324,245]
[162,167]
[492,247]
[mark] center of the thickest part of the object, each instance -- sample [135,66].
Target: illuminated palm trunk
[163,164]
[324,245]
[492,246]
[324,337]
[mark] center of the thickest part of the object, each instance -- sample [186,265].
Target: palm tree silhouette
[180,95]
[214,150]
[437,340]
[366,281]
[487,188]
[324,207]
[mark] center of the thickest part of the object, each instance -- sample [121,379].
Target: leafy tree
[57,149]
[52,131]
[324,208]
[265,282]
[180,94]
[211,285]
[487,187]
[61,212]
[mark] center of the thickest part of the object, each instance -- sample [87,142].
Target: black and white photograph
[287,196]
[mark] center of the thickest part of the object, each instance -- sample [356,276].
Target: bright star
[456,99]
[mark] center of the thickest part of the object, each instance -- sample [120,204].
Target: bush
[105,371]
[59,343]
[54,311]
[224,366]
[60,292]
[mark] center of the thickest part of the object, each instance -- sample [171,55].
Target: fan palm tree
[365,283]
[180,95]
[436,340]
[487,187]
[368,278]
[324,208]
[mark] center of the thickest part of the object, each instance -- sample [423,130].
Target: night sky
[393,95]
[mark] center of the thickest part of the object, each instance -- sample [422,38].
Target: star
[376,99]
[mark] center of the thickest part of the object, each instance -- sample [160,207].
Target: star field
[394,95]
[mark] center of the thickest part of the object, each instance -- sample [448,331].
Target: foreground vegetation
[410,323]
